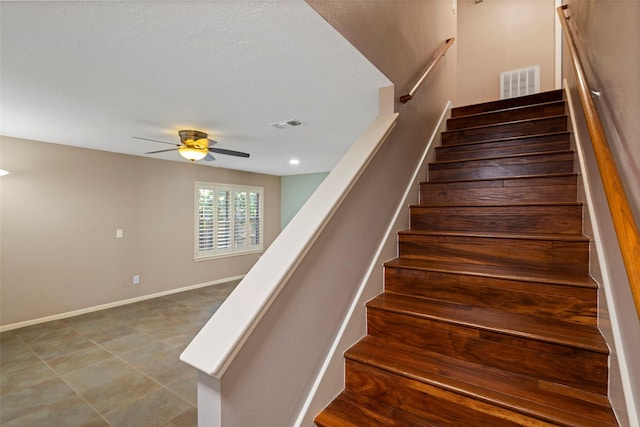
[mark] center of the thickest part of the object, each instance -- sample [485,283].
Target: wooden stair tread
[499,235]
[511,109]
[505,123]
[502,272]
[545,330]
[525,204]
[495,148]
[528,111]
[464,110]
[513,391]
[505,178]
[512,138]
[501,156]
[506,129]
[350,409]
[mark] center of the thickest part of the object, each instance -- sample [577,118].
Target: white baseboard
[17,325]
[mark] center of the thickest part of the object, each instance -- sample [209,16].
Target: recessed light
[294,162]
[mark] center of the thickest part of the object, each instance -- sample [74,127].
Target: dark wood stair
[489,314]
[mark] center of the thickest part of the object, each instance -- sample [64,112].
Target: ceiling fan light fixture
[191,153]
[193,136]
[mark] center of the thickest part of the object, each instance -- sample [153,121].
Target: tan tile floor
[117,367]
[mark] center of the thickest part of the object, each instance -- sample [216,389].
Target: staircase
[488,317]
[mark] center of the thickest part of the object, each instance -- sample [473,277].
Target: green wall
[294,192]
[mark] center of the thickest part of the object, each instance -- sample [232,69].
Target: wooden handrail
[623,221]
[408,97]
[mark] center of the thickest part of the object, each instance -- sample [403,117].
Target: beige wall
[272,375]
[611,59]
[503,35]
[399,37]
[609,32]
[61,206]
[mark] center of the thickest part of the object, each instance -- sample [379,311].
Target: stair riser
[500,192]
[567,256]
[502,167]
[506,130]
[515,219]
[435,404]
[508,103]
[569,366]
[500,148]
[521,113]
[543,300]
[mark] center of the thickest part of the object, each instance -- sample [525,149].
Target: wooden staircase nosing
[529,219]
[517,128]
[498,148]
[419,381]
[500,191]
[522,112]
[503,166]
[556,252]
[523,345]
[518,295]
[538,98]
[357,410]
[522,274]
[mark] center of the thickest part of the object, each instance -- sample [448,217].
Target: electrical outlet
[119,233]
[136,279]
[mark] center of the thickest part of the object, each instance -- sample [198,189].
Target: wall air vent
[523,81]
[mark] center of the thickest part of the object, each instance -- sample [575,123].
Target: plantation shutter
[255,213]
[228,219]
[240,227]
[206,219]
[223,225]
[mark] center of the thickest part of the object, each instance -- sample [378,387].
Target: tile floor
[117,367]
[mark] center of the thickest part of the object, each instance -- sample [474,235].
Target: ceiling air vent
[287,124]
[523,81]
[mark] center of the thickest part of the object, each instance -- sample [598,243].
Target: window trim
[214,253]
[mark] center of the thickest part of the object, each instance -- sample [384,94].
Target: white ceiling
[95,73]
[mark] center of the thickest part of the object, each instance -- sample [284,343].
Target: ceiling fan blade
[155,140]
[212,142]
[228,152]
[162,151]
[209,157]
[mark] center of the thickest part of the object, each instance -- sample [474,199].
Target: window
[228,220]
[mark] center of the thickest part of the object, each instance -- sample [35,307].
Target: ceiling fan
[195,145]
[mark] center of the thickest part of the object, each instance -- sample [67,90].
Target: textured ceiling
[95,73]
